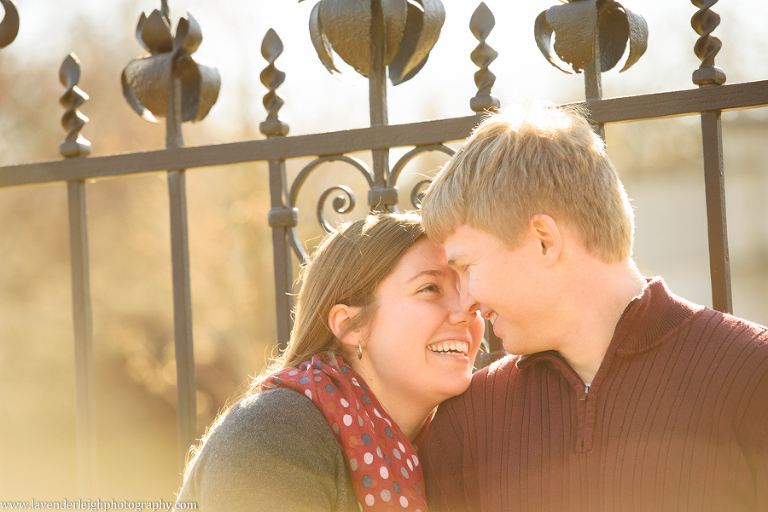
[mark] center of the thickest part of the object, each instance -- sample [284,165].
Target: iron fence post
[593,83]
[186,389]
[704,21]
[281,218]
[75,146]
[380,197]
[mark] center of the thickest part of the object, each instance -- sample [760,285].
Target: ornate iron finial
[411,29]
[9,27]
[146,80]
[73,121]
[575,25]
[481,24]
[704,22]
[272,78]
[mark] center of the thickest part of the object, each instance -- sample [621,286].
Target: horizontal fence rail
[613,110]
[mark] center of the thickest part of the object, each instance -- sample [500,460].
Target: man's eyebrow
[430,272]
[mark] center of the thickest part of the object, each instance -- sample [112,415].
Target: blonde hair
[546,161]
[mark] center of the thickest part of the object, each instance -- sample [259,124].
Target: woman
[379,341]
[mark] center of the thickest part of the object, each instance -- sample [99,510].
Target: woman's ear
[338,318]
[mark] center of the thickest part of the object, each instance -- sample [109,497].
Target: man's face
[507,285]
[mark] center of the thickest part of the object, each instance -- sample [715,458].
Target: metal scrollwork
[9,27]
[704,22]
[344,202]
[341,204]
[416,192]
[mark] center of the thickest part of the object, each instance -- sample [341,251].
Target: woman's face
[420,346]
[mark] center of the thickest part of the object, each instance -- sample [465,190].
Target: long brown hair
[346,268]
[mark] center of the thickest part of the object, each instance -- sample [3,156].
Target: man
[623,396]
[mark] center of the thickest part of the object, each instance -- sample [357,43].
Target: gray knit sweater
[273,451]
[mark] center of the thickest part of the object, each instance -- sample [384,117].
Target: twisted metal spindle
[704,22]
[481,24]
[73,120]
[272,78]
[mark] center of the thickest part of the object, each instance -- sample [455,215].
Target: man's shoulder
[722,327]
[501,368]
[497,375]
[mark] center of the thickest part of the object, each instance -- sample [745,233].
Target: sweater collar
[649,320]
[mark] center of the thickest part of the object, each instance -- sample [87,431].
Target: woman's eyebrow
[431,272]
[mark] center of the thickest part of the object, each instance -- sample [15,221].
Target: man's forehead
[457,243]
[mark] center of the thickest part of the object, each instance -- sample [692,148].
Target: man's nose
[467,303]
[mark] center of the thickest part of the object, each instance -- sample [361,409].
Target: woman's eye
[430,288]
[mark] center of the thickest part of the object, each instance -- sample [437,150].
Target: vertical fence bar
[144,89]
[281,219]
[83,331]
[74,146]
[186,390]
[182,315]
[593,80]
[704,22]
[717,227]
[380,197]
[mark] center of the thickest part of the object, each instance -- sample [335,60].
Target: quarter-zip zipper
[584,408]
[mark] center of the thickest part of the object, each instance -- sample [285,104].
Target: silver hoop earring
[359,350]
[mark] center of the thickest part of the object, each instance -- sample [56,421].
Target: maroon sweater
[676,419]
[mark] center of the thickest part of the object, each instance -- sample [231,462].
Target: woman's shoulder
[272,448]
[279,418]
[273,408]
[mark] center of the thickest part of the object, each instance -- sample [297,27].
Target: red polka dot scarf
[382,461]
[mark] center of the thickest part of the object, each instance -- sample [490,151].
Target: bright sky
[233,31]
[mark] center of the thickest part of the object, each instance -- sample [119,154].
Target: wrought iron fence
[590,35]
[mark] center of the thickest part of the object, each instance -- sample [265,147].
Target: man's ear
[547,233]
[338,318]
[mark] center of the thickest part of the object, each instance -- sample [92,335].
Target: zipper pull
[586,392]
